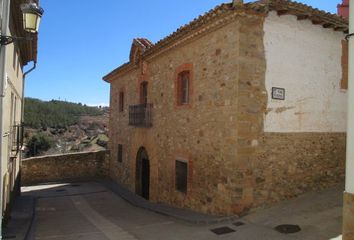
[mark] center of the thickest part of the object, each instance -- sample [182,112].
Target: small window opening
[183,87]
[121,101]
[181,176]
[120,153]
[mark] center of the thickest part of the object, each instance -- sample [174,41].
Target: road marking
[109,229]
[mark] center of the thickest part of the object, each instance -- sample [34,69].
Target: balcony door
[144,92]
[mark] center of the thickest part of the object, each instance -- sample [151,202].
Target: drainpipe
[23,89]
[4,31]
[348,207]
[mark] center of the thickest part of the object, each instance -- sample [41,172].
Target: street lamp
[32,14]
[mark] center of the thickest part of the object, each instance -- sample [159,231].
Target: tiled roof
[283,7]
[139,46]
[302,11]
[144,42]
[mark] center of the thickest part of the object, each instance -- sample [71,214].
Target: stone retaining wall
[74,166]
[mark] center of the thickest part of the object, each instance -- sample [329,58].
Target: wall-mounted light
[32,14]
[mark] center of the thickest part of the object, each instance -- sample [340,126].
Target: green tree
[39,143]
[55,114]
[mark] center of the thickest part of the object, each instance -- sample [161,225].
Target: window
[13,109]
[121,101]
[181,176]
[143,92]
[14,58]
[120,153]
[18,68]
[183,83]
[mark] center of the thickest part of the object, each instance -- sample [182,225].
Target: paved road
[92,212]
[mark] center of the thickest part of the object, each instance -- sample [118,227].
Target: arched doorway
[142,175]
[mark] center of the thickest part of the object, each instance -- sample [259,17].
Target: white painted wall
[305,59]
[349,176]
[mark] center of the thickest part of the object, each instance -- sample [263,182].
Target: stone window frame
[183,69]
[187,159]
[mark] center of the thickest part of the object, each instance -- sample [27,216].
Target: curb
[185,215]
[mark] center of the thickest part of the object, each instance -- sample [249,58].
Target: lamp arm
[5,40]
[349,36]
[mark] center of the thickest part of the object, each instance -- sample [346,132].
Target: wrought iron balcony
[140,115]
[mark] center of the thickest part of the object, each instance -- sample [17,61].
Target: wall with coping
[74,166]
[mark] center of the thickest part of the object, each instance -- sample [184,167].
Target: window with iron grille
[141,115]
[121,101]
[120,153]
[183,91]
[181,176]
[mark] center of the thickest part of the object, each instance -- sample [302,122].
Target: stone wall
[65,167]
[289,164]
[348,216]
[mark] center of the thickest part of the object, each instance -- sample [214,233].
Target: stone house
[243,107]
[13,58]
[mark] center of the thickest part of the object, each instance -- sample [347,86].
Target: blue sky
[81,41]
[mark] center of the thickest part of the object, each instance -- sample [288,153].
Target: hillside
[53,127]
[56,114]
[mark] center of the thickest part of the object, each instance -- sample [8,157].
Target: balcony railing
[140,115]
[16,138]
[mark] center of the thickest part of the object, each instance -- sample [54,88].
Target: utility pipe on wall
[23,89]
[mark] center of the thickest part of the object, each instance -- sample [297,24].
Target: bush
[38,144]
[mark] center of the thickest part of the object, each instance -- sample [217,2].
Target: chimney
[239,2]
[343,9]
